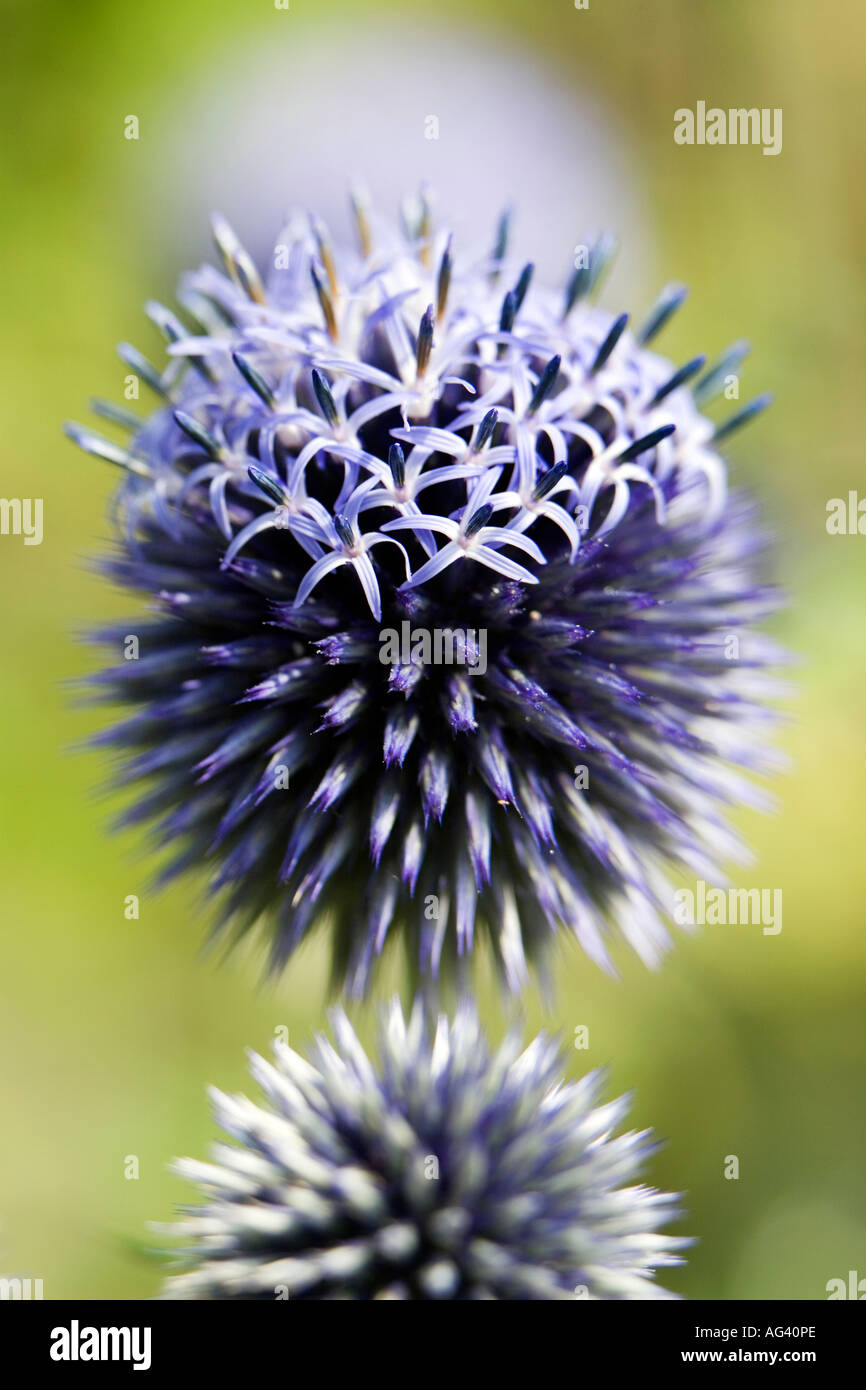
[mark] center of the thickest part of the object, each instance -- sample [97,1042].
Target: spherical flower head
[446,1170]
[454,608]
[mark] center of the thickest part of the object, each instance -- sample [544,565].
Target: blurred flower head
[454,607]
[447,1170]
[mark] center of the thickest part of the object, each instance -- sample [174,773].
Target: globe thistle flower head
[444,1170]
[446,569]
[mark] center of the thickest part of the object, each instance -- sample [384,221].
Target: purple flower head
[446,1170]
[394,441]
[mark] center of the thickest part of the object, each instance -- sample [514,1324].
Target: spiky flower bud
[454,604]
[450,1170]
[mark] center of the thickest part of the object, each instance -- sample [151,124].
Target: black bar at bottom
[84,1339]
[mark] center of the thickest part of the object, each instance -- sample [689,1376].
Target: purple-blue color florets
[390,441]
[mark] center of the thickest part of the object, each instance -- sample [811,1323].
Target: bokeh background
[742,1044]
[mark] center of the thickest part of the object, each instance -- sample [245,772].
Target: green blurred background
[742,1044]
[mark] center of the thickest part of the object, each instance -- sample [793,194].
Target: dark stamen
[478,519]
[117,414]
[742,417]
[647,441]
[270,486]
[343,528]
[586,278]
[168,323]
[501,244]
[485,431]
[670,299]
[173,330]
[396,463]
[425,340]
[546,383]
[509,309]
[140,365]
[679,378]
[106,449]
[610,342]
[576,288]
[254,380]
[523,285]
[547,482]
[198,433]
[326,401]
[730,360]
[444,281]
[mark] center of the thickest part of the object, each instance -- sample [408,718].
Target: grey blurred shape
[293,119]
